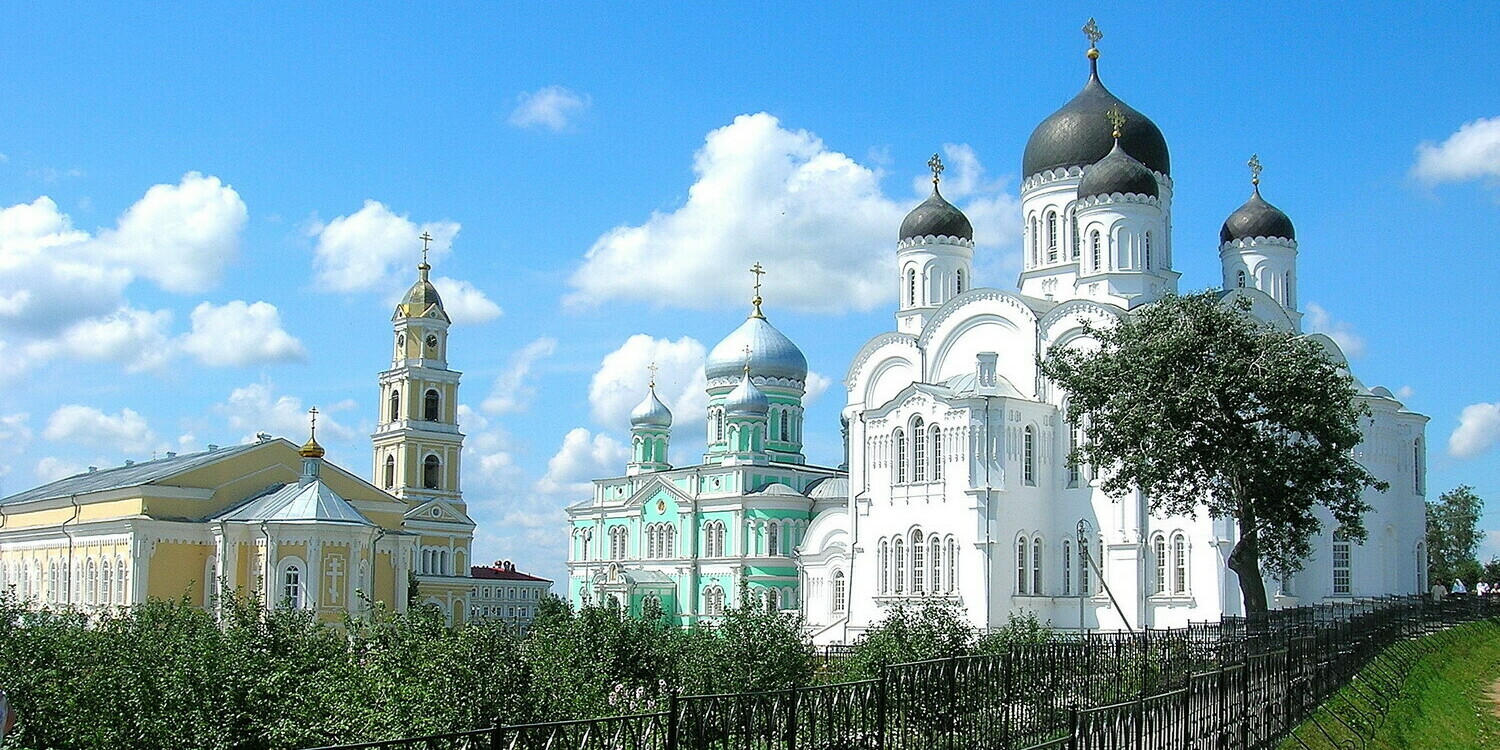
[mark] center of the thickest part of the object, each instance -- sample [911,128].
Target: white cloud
[180,236]
[134,338]
[1489,545]
[1405,392]
[464,302]
[237,334]
[815,218]
[1471,153]
[51,469]
[258,408]
[1478,430]
[1318,320]
[553,108]
[817,384]
[510,392]
[582,457]
[374,249]
[620,382]
[126,432]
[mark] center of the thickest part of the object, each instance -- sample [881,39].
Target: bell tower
[417,442]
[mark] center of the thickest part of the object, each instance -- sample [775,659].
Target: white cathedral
[956,484]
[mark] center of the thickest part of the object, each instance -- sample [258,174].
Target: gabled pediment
[645,492]
[438,511]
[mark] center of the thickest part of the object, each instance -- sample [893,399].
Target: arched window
[1286,289]
[120,581]
[432,470]
[1067,568]
[1147,252]
[919,452]
[918,563]
[1159,548]
[395,404]
[618,538]
[898,575]
[390,472]
[713,601]
[786,426]
[900,457]
[1073,222]
[936,437]
[1075,437]
[291,587]
[1036,566]
[911,287]
[935,565]
[773,539]
[839,592]
[1023,572]
[1036,256]
[651,538]
[1096,250]
[1341,566]
[669,543]
[1051,236]
[960,281]
[54,583]
[1416,465]
[952,559]
[91,583]
[107,583]
[1240,276]
[1028,456]
[885,566]
[430,405]
[1179,564]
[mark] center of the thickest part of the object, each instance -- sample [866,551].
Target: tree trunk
[1244,560]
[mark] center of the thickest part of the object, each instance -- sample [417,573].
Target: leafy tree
[1453,536]
[1198,406]
[932,630]
[1492,571]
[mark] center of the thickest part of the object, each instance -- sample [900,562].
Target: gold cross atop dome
[748,351]
[936,165]
[1091,30]
[425,238]
[311,449]
[758,271]
[1116,118]
[1254,164]
[652,368]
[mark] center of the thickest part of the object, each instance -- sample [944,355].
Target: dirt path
[1494,696]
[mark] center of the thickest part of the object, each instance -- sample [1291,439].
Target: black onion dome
[1117,173]
[1079,135]
[937,217]
[1257,218]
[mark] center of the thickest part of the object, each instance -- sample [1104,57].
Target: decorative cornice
[1047,177]
[869,349]
[935,239]
[1248,243]
[1082,306]
[1113,198]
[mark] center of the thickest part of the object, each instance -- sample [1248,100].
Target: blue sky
[208,212]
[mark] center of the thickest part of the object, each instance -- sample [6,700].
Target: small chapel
[955,483]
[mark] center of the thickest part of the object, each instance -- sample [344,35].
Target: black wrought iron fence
[1237,684]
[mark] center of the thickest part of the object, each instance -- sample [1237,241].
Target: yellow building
[268,517]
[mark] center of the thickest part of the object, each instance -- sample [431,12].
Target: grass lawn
[1447,698]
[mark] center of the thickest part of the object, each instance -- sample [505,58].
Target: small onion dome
[421,297]
[746,400]
[1257,218]
[651,412]
[936,217]
[772,354]
[311,449]
[1078,134]
[1117,173]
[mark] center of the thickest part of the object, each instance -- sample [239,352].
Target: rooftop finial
[1091,30]
[652,368]
[311,449]
[758,271]
[936,165]
[424,268]
[1254,164]
[1116,118]
[748,350]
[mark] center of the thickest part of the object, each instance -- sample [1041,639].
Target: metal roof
[290,503]
[120,477]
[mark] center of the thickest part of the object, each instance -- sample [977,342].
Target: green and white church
[956,484]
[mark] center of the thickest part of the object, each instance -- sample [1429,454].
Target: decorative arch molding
[1257,243]
[935,239]
[1078,309]
[1330,347]
[1046,177]
[1113,198]
[1005,299]
[873,346]
[1263,307]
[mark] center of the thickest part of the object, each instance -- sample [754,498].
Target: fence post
[495,734]
[880,709]
[1073,727]
[671,720]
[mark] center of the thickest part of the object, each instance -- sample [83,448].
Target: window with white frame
[899,444]
[918,563]
[1341,566]
[1159,564]
[1096,251]
[1051,236]
[898,574]
[1179,564]
[952,559]
[919,452]
[1028,456]
[713,601]
[1023,572]
[885,566]
[1067,567]
[839,591]
[1036,566]
[293,595]
[937,453]
[773,538]
[935,565]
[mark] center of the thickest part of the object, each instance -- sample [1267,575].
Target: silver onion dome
[772,354]
[747,400]
[651,412]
